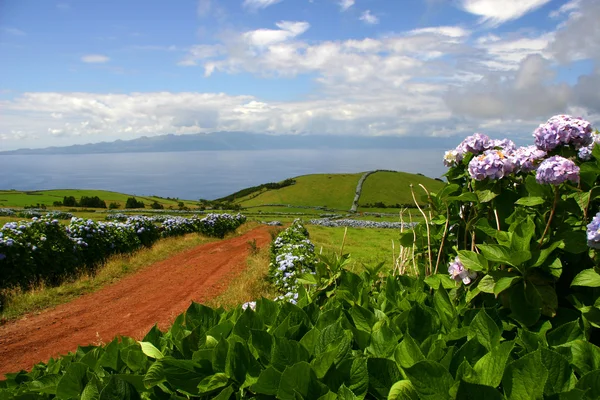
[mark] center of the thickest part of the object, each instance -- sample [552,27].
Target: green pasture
[394,187]
[335,191]
[365,246]
[16,198]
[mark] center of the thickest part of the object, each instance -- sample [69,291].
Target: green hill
[331,190]
[336,191]
[16,198]
[392,188]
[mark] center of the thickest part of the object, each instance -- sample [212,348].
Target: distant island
[243,141]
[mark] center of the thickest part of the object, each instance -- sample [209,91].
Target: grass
[365,246]
[20,302]
[394,187]
[334,191]
[17,198]
[250,285]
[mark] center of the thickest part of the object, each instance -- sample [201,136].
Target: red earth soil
[129,307]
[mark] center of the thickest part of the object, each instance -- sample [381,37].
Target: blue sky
[80,71]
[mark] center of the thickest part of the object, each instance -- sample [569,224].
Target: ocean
[201,174]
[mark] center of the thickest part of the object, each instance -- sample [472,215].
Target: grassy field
[16,198]
[334,191]
[365,246]
[394,187]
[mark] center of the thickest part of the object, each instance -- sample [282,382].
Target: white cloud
[346,4]
[257,4]
[496,12]
[265,37]
[579,35]
[13,31]
[451,31]
[567,8]
[369,18]
[95,59]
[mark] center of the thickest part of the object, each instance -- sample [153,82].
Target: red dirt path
[129,307]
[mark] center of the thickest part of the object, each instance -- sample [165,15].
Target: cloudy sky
[79,71]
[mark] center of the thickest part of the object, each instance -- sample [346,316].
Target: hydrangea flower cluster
[355,223]
[563,130]
[44,249]
[526,159]
[292,254]
[492,164]
[495,159]
[593,232]
[459,273]
[556,170]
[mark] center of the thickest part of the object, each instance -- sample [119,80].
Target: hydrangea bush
[292,255]
[44,250]
[516,225]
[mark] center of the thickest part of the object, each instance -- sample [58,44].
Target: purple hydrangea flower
[2,256]
[476,144]
[563,130]
[585,153]
[593,232]
[458,272]
[506,145]
[556,170]
[492,164]
[526,159]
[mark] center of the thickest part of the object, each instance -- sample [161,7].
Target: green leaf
[73,382]
[299,378]
[346,394]
[422,322]
[590,382]
[225,394]
[485,196]
[444,308]
[213,382]
[565,333]
[560,374]
[486,284]
[383,340]
[485,330]
[151,351]
[525,378]
[490,367]
[383,373]
[155,375]
[524,309]
[408,352]
[504,283]
[496,252]
[473,391]
[435,280]
[588,278]
[530,201]
[430,380]
[90,392]
[201,315]
[473,261]
[110,357]
[403,390]
[268,382]
[583,355]
[363,319]
[118,389]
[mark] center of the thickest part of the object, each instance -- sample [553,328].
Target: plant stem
[426,226]
[437,263]
[556,197]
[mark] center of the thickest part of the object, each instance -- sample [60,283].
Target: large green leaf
[525,378]
[299,378]
[383,340]
[268,382]
[118,389]
[484,328]
[490,367]
[151,351]
[403,390]
[383,373]
[444,307]
[73,382]
[587,277]
[590,382]
[473,261]
[422,322]
[560,374]
[430,380]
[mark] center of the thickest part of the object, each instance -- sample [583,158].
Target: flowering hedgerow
[292,254]
[354,223]
[44,250]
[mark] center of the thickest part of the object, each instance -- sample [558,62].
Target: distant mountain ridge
[243,141]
